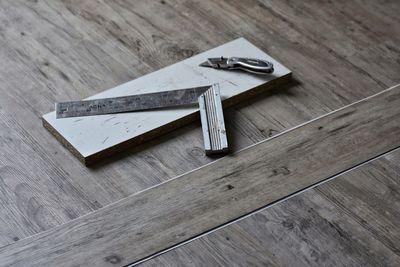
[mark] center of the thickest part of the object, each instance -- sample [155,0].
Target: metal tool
[212,121]
[129,103]
[253,65]
[209,99]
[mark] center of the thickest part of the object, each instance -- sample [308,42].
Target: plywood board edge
[166,128]
[96,157]
[62,140]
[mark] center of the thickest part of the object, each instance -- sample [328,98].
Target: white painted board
[93,134]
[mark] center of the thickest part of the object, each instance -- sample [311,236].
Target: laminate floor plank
[377,56]
[60,50]
[351,30]
[348,221]
[189,205]
[32,82]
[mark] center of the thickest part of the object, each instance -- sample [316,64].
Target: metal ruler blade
[129,103]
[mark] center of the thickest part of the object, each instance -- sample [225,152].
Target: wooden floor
[339,52]
[209,197]
[349,221]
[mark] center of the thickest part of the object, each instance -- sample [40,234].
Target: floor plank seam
[264,208]
[185,207]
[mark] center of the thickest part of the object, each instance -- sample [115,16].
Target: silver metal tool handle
[253,65]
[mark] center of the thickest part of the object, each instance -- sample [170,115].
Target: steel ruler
[130,103]
[208,97]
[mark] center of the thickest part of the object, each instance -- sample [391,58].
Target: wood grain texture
[93,138]
[348,221]
[362,34]
[340,51]
[220,192]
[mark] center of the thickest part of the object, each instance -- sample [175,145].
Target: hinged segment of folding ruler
[212,121]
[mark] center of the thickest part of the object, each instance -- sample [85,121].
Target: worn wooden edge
[199,201]
[62,140]
[140,139]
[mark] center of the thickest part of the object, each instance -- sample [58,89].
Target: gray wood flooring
[348,221]
[339,51]
[163,216]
